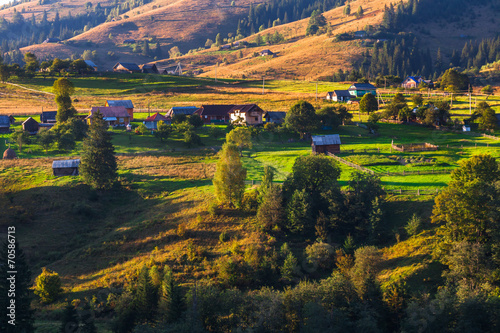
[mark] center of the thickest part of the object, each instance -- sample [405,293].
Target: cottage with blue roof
[360,89]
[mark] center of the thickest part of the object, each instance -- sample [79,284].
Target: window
[256,118]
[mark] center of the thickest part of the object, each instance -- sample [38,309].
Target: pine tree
[98,161]
[23,313]
[172,303]
[87,320]
[146,297]
[69,322]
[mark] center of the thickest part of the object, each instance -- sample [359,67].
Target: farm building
[322,144]
[275,117]
[214,114]
[9,154]
[51,40]
[31,126]
[129,41]
[178,110]
[264,53]
[65,167]
[248,113]
[149,69]
[113,115]
[48,117]
[338,96]
[412,82]
[152,122]
[360,89]
[91,64]
[126,103]
[4,124]
[126,67]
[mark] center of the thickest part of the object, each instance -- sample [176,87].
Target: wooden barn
[48,117]
[31,126]
[65,167]
[126,67]
[4,124]
[126,103]
[149,69]
[322,144]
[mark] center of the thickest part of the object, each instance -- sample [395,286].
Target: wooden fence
[412,147]
[412,192]
[352,165]
[417,172]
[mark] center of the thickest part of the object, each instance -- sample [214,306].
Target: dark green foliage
[87,320]
[69,322]
[63,89]
[316,23]
[299,212]
[179,118]
[302,118]
[171,300]
[195,120]
[21,137]
[329,117]
[24,315]
[368,103]
[486,117]
[98,162]
[271,212]
[163,130]
[453,79]
[145,297]
[289,268]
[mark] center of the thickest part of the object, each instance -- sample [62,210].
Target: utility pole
[263,84]
[470,100]
[216,65]
[451,101]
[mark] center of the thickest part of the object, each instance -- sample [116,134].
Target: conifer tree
[172,302]
[23,313]
[69,322]
[98,161]
[87,320]
[146,297]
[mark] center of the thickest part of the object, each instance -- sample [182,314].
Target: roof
[276,115]
[48,115]
[341,93]
[214,110]
[156,117]
[266,51]
[187,110]
[110,111]
[362,86]
[323,140]
[128,65]
[65,164]
[244,108]
[90,63]
[29,120]
[414,78]
[127,103]
[4,121]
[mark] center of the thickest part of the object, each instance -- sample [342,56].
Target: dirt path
[22,87]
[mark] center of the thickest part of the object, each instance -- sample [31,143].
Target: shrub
[250,200]
[182,230]
[223,237]
[413,226]
[321,254]
[48,286]
[141,129]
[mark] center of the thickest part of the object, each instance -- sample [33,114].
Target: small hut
[9,154]
[66,167]
[322,144]
[31,126]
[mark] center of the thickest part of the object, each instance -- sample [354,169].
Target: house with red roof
[152,121]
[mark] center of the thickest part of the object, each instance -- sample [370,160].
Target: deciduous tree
[368,103]
[229,178]
[302,118]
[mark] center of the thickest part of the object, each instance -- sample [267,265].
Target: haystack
[9,154]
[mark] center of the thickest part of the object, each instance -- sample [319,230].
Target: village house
[152,122]
[338,96]
[4,124]
[31,126]
[360,89]
[264,53]
[149,69]
[48,117]
[322,144]
[91,65]
[113,115]
[214,114]
[412,82]
[51,40]
[275,117]
[250,114]
[181,110]
[126,67]
[65,167]
[126,103]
